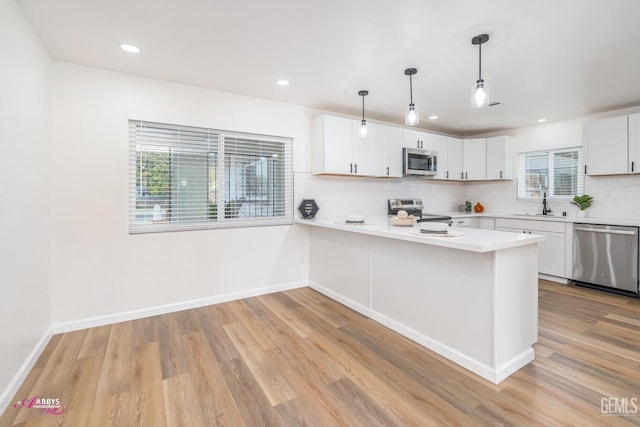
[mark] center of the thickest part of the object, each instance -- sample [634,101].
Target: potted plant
[582,202]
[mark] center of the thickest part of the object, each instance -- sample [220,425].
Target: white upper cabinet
[331,145]
[364,149]
[438,143]
[431,142]
[606,145]
[414,139]
[474,159]
[454,158]
[634,143]
[389,155]
[338,148]
[500,157]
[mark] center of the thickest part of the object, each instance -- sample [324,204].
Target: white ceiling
[546,58]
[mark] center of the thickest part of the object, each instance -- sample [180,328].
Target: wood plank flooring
[297,358]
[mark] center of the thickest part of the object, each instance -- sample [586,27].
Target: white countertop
[474,240]
[570,219]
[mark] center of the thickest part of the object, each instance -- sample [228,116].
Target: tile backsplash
[338,196]
[614,196]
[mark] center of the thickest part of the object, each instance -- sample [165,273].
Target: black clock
[308,208]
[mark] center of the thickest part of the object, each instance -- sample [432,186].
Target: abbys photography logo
[619,406]
[48,405]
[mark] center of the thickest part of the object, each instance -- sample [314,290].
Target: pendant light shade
[363,125]
[480,89]
[411,117]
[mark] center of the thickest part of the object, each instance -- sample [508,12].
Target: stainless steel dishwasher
[606,255]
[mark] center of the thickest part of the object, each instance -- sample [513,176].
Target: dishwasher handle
[602,230]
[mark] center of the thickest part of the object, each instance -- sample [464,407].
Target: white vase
[582,214]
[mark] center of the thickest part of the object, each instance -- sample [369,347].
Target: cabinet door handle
[447,174]
[387,170]
[356,168]
[350,167]
[585,169]
[632,164]
[500,174]
[466,175]
[461,175]
[524,231]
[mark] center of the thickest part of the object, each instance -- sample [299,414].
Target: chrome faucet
[544,204]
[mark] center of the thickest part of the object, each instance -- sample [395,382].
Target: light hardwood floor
[298,358]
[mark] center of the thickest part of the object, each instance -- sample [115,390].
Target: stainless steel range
[414,207]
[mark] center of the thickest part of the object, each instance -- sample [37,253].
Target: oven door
[419,162]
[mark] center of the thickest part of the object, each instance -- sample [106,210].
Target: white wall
[25,205]
[98,268]
[614,196]
[339,196]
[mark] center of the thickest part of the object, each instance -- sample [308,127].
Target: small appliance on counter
[434,228]
[403,219]
[354,219]
[414,207]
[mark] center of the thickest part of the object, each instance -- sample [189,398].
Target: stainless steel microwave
[419,162]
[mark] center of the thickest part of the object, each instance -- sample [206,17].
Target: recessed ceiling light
[542,120]
[283,82]
[433,117]
[130,48]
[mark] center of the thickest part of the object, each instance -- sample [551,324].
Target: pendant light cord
[480,61]
[363,107]
[411,88]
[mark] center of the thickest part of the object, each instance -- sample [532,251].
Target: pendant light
[480,90]
[363,125]
[411,117]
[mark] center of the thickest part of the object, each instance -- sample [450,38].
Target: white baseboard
[57,328]
[478,368]
[21,375]
[514,364]
[556,279]
[108,319]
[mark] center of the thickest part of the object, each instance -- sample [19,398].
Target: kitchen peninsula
[472,299]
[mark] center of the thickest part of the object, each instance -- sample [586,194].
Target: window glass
[188,178]
[556,173]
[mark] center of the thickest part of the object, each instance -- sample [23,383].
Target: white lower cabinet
[474,222]
[482,223]
[461,222]
[551,252]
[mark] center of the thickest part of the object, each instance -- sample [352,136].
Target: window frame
[282,199]
[521,190]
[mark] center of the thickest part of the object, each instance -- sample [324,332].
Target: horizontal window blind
[558,173]
[185,178]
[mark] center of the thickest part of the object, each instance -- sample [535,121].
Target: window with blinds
[558,173]
[186,178]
